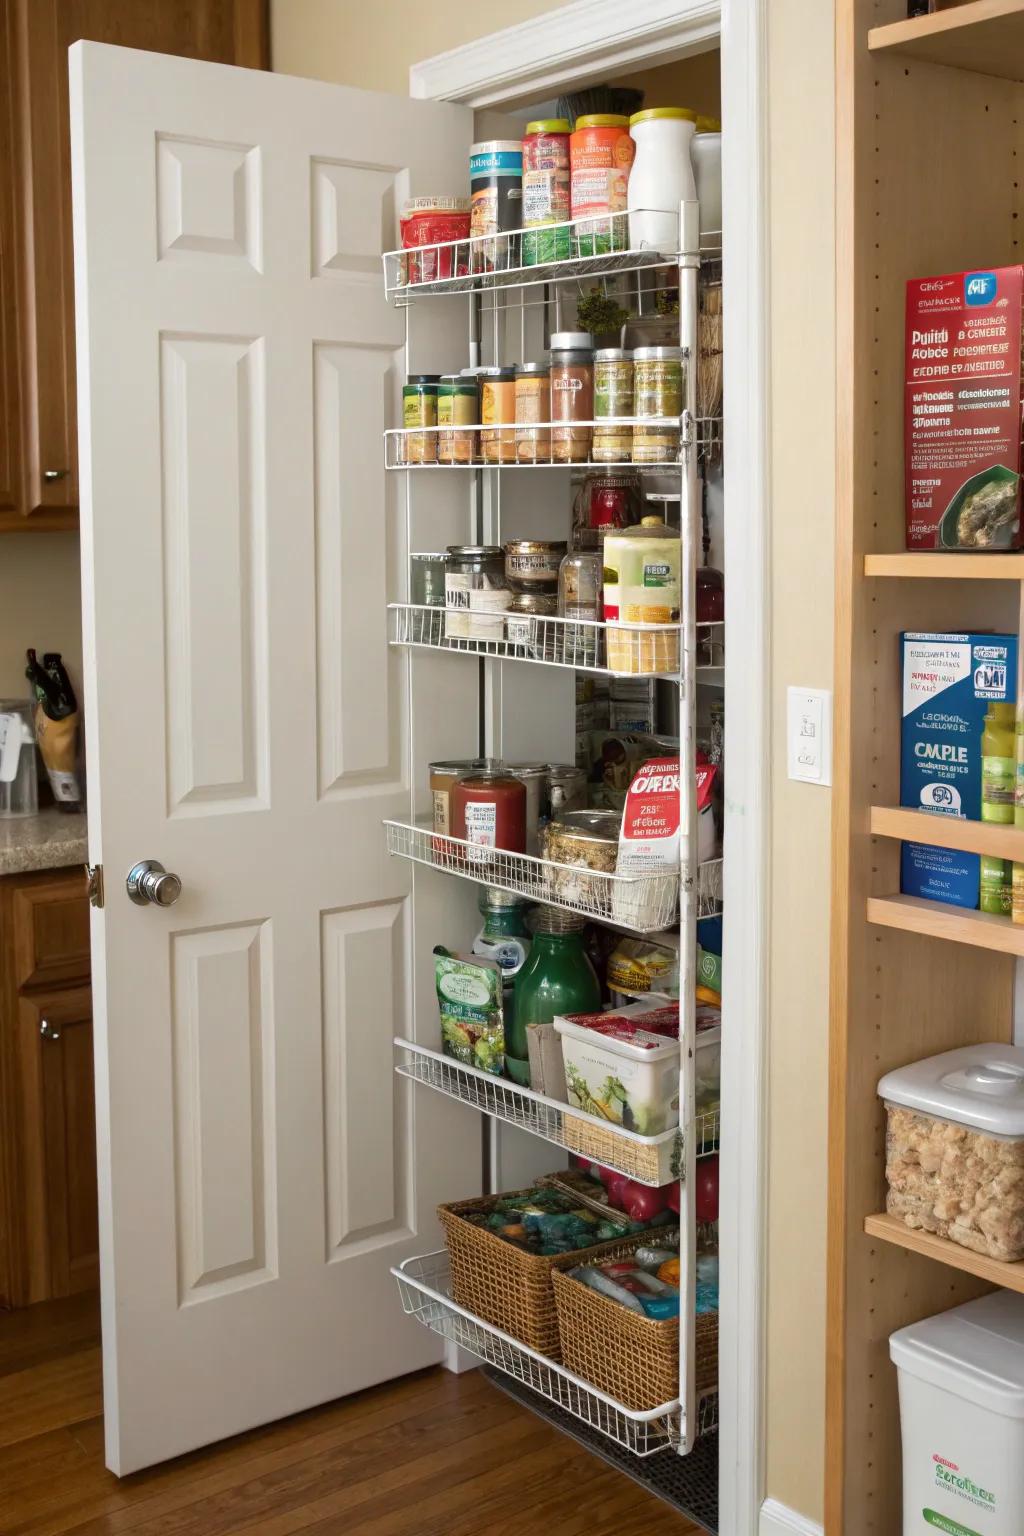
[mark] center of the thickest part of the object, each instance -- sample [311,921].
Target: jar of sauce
[497,407]
[488,811]
[533,406]
[572,396]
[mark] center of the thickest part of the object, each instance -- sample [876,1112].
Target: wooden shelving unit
[948,832]
[947,567]
[984,36]
[956,925]
[889,1229]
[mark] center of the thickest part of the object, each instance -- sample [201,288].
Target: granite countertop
[51,840]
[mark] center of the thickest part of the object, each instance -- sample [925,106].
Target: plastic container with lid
[572,395]
[961,1389]
[642,585]
[582,841]
[600,156]
[434,222]
[954,1155]
[546,191]
[19,775]
[661,178]
[496,201]
[706,158]
[488,810]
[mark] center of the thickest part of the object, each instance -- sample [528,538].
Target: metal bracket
[94,873]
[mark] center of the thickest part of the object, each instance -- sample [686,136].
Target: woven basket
[503,1284]
[634,1359]
[610,1148]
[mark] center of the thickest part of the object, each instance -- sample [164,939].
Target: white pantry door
[260,1165]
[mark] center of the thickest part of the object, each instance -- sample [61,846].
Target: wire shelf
[653,1160]
[504,445]
[707,1413]
[586,645]
[635,903]
[424,1284]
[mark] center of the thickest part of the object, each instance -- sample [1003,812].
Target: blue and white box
[948,683]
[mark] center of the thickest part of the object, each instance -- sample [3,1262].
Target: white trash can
[961,1382]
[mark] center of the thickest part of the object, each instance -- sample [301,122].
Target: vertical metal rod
[690,523]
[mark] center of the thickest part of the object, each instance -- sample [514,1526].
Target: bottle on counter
[557,978]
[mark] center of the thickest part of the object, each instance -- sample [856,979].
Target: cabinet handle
[48,1032]
[56,474]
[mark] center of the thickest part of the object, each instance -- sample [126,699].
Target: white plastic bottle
[661,177]
[706,154]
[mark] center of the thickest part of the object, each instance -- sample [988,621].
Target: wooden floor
[433,1453]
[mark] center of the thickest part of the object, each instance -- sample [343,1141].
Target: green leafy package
[472,1022]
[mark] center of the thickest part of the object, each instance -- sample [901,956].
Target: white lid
[975,1351]
[981,1086]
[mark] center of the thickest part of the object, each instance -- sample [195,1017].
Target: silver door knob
[150,882]
[48,1030]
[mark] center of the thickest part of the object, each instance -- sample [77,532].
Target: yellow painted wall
[40,604]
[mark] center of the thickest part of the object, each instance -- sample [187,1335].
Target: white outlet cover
[809,734]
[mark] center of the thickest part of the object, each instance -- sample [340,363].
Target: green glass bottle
[557,978]
[505,939]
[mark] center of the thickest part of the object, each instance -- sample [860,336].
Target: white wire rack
[636,903]
[425,1287]
[586,645]
[707,1413]
[653,1160]
[504,445]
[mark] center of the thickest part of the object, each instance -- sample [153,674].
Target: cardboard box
[948,682]
[962,410]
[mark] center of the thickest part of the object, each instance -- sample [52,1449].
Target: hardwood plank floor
[429,1455]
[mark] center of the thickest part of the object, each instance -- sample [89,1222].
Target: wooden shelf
[891,1230]
[927,566]
[986,36]
[948,832]
[938,920]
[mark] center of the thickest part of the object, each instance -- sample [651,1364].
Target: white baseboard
[777,1520]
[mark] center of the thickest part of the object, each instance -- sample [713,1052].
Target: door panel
[261,1166]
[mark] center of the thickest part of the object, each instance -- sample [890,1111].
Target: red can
[488,811]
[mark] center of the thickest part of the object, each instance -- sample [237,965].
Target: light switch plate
[809,734]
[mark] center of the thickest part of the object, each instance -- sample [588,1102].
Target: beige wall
[40,604]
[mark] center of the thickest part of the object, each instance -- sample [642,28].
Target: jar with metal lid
[522,628]
[604,502]
[531,565]
[533,407]
[458,407]
[498,408]
[535,778]
[419,409]
[582,841]
[426,580]
[442,776]
[572,396]
[474,589]
[488,811]
[658,391]
[580,580]
[567,788]
[613,397]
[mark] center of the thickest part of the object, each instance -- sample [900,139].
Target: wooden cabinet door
[56,1035]
[225,31]
[50,930]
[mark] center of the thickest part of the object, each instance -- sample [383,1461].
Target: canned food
[532,564]
[658,391]
[419,409]
[458,406]
[496,197]
[533,395]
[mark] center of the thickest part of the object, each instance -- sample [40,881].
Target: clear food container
[954,1147]
[19,779]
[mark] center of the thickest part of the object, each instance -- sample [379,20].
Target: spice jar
[613,397]
[498,406]
[533,405]
[522,628]
[658,391]
[572,395]
[488,811]
[546,191]
[442,776]
[531,565]
[567,788]
[419,409]
[579,597]
[475,591]
[535,778]
[581,841]
[426,580]
[457,407]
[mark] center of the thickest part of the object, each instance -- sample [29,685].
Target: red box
[962,410]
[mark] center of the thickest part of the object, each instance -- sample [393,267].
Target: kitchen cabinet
[48,1206]
[38,438]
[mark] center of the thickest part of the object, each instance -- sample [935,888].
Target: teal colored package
[948,682]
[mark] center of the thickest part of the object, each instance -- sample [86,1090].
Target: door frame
[573,45]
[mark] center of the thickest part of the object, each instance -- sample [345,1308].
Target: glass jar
[613,397]
[531,565]
[488,811]
[533,405]
[605,502]
[556,979]
[567,788]
[474,591]
[658,391]
[583,841]
[522,628]
[580,579]
[426,580]
[419,409]
[458,408]
[498,408]
[442,776]
[572,395]
[535,777]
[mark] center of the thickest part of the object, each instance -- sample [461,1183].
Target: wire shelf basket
[653,1160]
[504,445]
[424,1285]
[586,645]
[635,903]
[707,1413]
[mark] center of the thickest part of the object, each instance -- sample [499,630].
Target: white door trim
[529,60]
[777,1520]
[570,45]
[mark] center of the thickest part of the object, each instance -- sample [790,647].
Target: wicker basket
[648,1159]
[633,1359]
[503,1284]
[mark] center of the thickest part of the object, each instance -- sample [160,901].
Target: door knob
[150,882]
[48,1030]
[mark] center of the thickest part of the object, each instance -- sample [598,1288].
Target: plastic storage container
[961,1384]
[19,778]
[662,177]
[954,1156]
